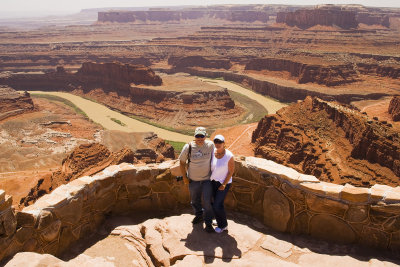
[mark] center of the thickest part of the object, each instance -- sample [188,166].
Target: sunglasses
[218,141]
[199,136]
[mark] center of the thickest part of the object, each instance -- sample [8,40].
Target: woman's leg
[218,206]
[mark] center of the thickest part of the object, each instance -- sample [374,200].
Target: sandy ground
[270,104]
[238,139]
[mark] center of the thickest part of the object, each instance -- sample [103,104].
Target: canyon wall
[13,103]
[110,73]
[111,76]
[306,18]
[179,15]
[394,108]
[331,141]
[199,61]
[280,92]
[329,75]
[280,197]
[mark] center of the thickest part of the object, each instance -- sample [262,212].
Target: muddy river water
[103,115]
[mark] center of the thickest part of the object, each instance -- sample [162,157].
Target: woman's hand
[221,187]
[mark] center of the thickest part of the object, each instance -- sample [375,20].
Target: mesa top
[200,160]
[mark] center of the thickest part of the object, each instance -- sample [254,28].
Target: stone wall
[279,196]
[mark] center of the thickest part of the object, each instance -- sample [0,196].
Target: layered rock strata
[89,159]
[329,75]
[281,92]
[394,108]
[13,103]
[306,18]
[182,15]
[331,141]
[280,197]
[199,61]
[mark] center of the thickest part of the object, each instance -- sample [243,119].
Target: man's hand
[221,187]
[185,180]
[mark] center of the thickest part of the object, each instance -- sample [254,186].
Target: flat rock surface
[173,241]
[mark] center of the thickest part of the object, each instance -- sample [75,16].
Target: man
[195,165]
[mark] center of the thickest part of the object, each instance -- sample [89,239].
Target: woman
[222,167]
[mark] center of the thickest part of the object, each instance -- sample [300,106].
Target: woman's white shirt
[219,167]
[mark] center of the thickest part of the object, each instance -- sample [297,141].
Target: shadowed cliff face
[307,18]
[331,141]
[394,108]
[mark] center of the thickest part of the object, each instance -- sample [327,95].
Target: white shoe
[214,222]
[220,230]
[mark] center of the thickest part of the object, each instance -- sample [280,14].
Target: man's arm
[182,166]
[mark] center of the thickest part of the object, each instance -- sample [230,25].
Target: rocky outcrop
[306,18]
[380,70]
[329,75]
[89,159]
[331,141]
[109,74]
[369,18]
[278,91]
[279,197]
[394,108]
[199,61]
[13,103]
[165,15]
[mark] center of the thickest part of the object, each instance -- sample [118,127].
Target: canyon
[326,163]
[333,142]
[136,90]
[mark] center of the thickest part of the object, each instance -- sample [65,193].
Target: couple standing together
[207,167]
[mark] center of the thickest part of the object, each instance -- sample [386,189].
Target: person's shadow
[200,240]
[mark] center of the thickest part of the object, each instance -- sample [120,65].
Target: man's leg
[218,206]
[207,198]
[195,199]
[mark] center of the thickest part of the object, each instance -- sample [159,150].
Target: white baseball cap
[219,137]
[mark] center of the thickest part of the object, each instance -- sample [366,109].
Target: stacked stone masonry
[282,198]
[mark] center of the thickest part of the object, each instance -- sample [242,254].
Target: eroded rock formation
[333,142]
[329,75]
[306,18]
[166,15]
[394,108]
[13,103]
[278,196]
[89,159]
[199,61]
[109,74]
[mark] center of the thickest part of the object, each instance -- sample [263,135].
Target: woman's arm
[231,170]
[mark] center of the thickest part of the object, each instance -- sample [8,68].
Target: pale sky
[11,8]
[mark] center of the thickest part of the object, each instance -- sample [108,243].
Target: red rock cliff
[394,108]
[330,75]
[13,103]
[306,18]
[111,73]
[331,141]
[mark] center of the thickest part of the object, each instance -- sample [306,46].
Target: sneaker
[197,219]
[209,228]
[220,230]
[214,223]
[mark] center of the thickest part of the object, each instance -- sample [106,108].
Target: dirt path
[270,104]
[102,115]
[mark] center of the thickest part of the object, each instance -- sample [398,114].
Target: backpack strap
[189,154]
